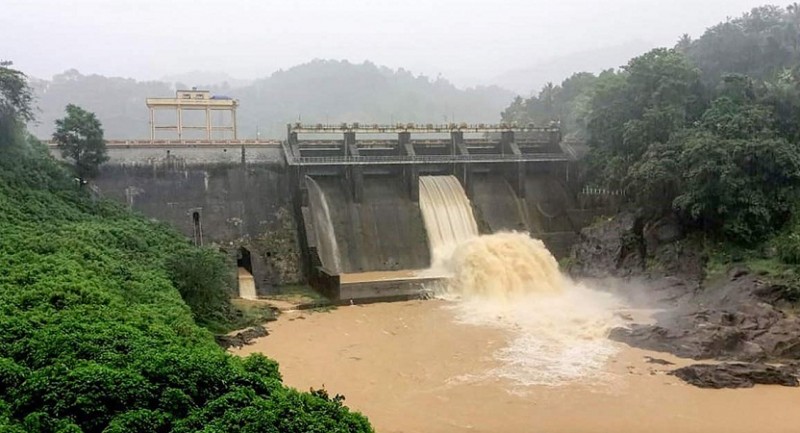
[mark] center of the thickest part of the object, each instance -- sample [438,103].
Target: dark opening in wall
[243,259]
[197,229]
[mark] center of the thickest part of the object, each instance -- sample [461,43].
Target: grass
[760,261]
[724,257]
[245,314]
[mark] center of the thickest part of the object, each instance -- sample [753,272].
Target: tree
[15,101]
[80,137]
[654,96]
[740,188]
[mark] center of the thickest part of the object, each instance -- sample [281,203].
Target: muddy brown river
[420,367]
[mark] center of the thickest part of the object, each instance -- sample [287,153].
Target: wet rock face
[610,248]
[738,375]
[627,246]
[730,323]
[241,338]
[739,318]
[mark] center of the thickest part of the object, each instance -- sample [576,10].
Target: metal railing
[187,143]
[422,159]
[372,128]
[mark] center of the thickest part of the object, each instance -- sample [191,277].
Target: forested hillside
[99,311]
[316,92]
[707,129]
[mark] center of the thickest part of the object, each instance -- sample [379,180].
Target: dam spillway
[448,215]
[378,210]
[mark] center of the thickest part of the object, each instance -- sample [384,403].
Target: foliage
[654,181]
[565,104]
[94,334]
[759,44]
[80,137]
[201,278]
[787,242]
[651,98]
[16,101]
[742,187]
[708,129]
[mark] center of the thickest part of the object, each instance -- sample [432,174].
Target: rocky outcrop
[738,375]
[740,318]
[628,246]
[610,248]
[731,321]
[241,338]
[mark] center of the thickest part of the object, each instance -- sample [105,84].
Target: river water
[418,367]
[509,345]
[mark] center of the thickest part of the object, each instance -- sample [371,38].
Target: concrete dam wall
[244,209]
[344,212]
[384,232]
[544,212]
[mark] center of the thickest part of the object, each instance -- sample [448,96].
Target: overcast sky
[466,41]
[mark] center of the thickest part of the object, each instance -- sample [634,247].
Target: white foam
[555,338]
[509,280]
[558,328]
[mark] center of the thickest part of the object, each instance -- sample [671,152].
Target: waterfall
[511,281]
[247,285]
[448,216]
[327,247]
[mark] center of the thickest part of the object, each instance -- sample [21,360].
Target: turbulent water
[247,285]
[327,246]
[511,281]
[447,213]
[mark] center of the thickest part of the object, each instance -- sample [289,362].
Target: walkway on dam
[422,159]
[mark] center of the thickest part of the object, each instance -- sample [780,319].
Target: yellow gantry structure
[198,100]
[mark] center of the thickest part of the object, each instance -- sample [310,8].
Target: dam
[357,211]
[382,206]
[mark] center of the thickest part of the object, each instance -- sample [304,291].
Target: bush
[788,248]
[202,279]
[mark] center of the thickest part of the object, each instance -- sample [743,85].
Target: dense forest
[316,92]
[100,314]
[707,130]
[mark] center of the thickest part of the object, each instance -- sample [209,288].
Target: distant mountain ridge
[206,79]
[315,92]
[525,81]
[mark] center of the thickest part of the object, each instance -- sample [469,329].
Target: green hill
[94,335]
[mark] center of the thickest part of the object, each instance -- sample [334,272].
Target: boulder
[663,231]
[241,338]
[737,375]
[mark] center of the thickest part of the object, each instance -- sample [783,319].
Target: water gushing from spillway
[327,246]
[512,281]
[447,213]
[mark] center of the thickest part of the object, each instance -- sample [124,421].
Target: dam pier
[339,206]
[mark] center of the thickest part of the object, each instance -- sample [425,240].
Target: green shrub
[202,279]
[788,247]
